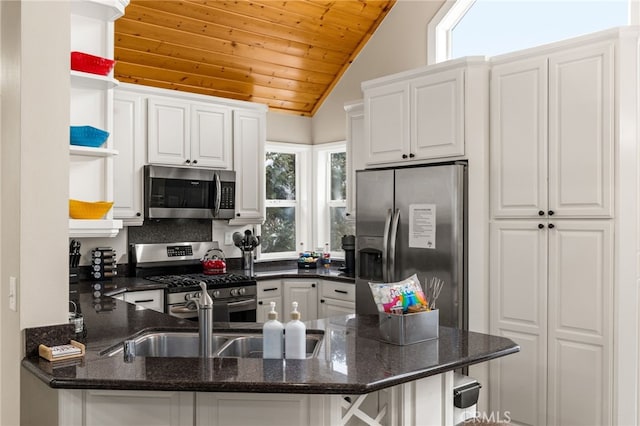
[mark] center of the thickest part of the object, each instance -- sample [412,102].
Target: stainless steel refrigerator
[413,220]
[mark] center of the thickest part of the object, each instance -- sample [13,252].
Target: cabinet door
[386,121]
[267,292]
[303,292]
[248,147]
[168,131]
[129,141]
[211,136]
[333,307]
[518,142]
[581,96]
[580,323]
[437,115]
[110,407]
[355,147]
[518,310]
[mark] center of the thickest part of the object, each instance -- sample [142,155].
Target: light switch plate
[228,238]
[13,293]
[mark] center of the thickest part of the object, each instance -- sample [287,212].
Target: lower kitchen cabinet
[305,292]
[269,291]
[552,292]
[148,299]
[336,298]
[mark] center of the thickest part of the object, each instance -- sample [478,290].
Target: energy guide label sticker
[422,226]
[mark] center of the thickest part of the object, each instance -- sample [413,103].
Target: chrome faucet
[205,319]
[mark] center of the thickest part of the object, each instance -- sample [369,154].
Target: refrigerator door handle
[385,247]
[392,246]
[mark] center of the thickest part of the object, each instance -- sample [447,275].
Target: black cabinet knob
[551,213]
[313,285]
[540,226]
[259,302]
[551,226]
[188,161]
[321,300]
[404,156]
[195,161]
[347,214]
[138,214]
[541,213]
[411,155]
[238,214]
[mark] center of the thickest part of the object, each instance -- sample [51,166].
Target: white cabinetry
[551,276]
[417,115]
[336,298]
[355,146]
[267,292]
[148,299]
[249,137]
[305,292]
[129,136]
[91,104]
[189,133]
[552,134]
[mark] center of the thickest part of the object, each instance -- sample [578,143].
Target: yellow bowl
[88,210]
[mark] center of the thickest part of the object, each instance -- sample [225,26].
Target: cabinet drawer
[150,299]
[339,291]
[269,289]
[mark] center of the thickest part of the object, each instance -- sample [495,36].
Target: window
[492,27]
[331,195]
[286,201]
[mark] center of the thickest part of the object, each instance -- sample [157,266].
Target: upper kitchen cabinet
[552,134]
[421,114]
[129,135]
[355,145]
[187,133]
[249,137]
[91,104]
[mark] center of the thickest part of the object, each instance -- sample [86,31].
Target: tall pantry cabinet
[552,152]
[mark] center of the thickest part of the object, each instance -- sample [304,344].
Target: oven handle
[182,310]
[189,310]
[241,303]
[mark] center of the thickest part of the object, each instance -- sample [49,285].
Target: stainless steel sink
[251,347]
[169,344]
[186,344]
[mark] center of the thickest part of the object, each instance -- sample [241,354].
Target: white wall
[399,44]
[34,178]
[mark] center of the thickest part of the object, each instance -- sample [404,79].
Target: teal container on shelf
[88,136]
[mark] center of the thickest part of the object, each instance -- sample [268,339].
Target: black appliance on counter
[349,247]
[178,266]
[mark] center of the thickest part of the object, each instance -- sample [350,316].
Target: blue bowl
[88,136]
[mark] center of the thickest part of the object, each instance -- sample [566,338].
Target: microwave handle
[216,205]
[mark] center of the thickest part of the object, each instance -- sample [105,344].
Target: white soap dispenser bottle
[272,335]
[294,336]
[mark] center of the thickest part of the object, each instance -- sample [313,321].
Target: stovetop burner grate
[175,282]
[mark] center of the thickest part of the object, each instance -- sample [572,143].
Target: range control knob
[215,294]
[242,291]
[234,292]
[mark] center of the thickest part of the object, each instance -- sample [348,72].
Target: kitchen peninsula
[350,365]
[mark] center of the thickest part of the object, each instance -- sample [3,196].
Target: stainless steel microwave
[188,193]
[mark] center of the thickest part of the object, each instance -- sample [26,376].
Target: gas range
[232,293]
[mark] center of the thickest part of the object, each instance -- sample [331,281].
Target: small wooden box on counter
[408,328]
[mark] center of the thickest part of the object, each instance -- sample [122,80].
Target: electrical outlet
[228,238]
[13,294]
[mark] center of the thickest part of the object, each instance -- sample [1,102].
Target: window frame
[302,203]
[322,200]
[452,11]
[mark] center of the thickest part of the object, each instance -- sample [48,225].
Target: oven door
[237,309]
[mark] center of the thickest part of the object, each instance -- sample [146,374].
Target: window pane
[338,176]
[278,230]
[339,227]
[281,176]
[492,27]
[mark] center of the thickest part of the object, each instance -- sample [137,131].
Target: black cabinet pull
[188,161]
[540,226]
[341,291]
[259,302]
[404,156]
[143,301]
[270,289]
[551,212]
[540,213]
[551,226]
[195,161]
[321,300]
[238,214]
[411,155]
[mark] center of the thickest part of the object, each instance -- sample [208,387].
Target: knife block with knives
[74,260]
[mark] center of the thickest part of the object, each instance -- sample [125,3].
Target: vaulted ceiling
[286,54]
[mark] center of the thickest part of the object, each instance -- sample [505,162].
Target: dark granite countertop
[351,358]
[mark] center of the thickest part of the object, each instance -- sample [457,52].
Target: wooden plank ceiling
[286,54]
